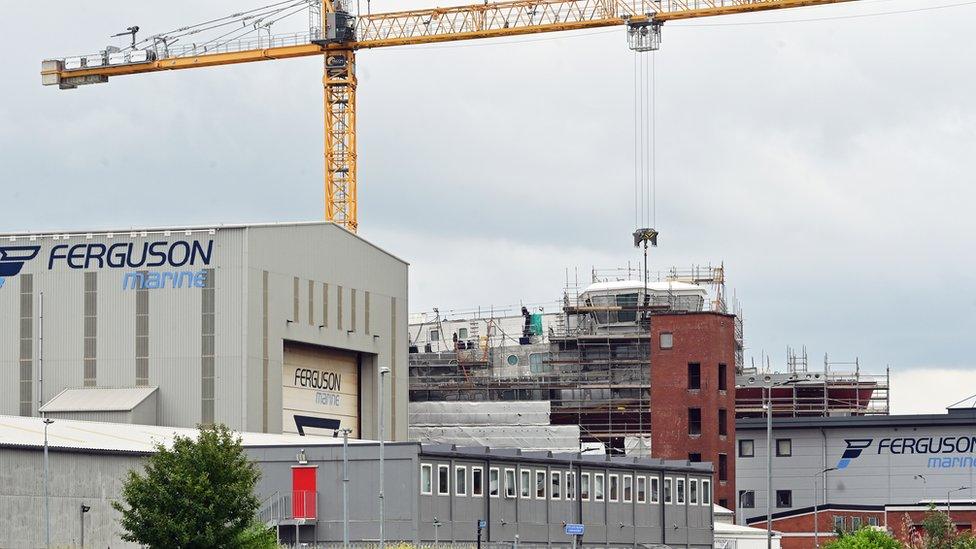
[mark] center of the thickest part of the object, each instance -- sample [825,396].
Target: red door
[303,492]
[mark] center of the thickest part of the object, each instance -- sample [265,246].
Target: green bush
[865,538]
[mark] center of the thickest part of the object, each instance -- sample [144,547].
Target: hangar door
[320,389]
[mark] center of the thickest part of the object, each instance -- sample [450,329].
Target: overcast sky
[828,163]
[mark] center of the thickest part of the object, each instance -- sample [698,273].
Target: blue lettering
[56,255]
[172,253]
[142,258]
[881,444]
[137,280]
[117,254]
[199,251]
[153,281]
[95,251]
[200,279]
[77,252]
[156,253]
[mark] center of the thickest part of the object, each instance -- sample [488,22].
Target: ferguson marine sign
[939,449]
[176,255]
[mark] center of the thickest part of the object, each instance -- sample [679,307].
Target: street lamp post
[816,509]
[383,373]
[925,486]
[47,503]
[949,502]
[769,467]
[345,486]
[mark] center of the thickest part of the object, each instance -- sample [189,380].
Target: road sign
[482,524]
[574,529]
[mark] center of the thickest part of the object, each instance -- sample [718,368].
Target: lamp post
[383,373]
[345,486]
[816,509]
[768,386]
[925,486]
[47,503]
[949,502]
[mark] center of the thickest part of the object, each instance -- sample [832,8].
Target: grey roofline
[955,416]
[217,226]
[611,462]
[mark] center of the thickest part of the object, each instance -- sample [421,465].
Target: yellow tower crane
[336,33]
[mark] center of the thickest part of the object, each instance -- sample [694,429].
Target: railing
[297,505]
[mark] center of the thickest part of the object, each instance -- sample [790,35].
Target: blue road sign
[482,524]
[574,529]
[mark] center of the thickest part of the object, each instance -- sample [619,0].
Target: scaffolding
[841,389]
[592,376]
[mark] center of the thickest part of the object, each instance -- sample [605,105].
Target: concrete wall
[75,479]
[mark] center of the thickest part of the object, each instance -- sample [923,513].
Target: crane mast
[336,34]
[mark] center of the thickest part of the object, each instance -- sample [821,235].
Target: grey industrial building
[432,492]
[873,462]
[247,325]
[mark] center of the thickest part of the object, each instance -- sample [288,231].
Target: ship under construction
[604,358]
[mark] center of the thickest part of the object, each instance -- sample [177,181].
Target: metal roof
[186,228]
[621,462]
[955,416]
[67,434]
[98,399]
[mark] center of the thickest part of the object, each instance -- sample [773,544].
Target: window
[570,485]
[747,448]
[667,340]
[538,365]
[642,489]
[723,467]
[838,522]
[526,475]
[628,489]
[855,523]
[584,486]
[679,491]
[784,499]
[477,481]
[598,487]
[628,304]
[555,492]
[723,377]
[694,421]
[707,492]
[443,480]
[426,479]
[655,490]
[784,447]
[540,485]
[668,496]
[723,422]
[493,482]
[460,481]
[435,335]
[614,488]
[872,521]
[512,360]
[694,376]
[693,492]
[747,499]
[723,503]
[510,483]
[694,457]
[462,333]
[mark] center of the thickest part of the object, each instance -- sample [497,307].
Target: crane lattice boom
[344,34]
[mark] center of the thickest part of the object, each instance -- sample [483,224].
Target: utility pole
[769,468]
[47,502]
[383,372]
[345,486]
[816,501]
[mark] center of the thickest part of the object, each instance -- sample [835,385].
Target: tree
[865,538]
[936,531]
[199,494]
